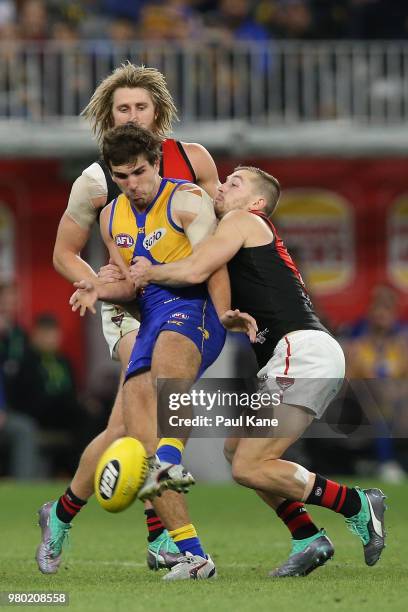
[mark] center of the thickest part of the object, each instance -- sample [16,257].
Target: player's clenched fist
[111,273]
[140,272]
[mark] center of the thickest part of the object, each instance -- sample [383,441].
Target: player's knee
[242,471]
[114,432]
[229,453]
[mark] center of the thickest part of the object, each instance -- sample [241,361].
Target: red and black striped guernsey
[266,283]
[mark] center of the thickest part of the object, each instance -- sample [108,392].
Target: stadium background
[314,92]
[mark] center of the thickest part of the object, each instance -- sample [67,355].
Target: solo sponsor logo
[154,237]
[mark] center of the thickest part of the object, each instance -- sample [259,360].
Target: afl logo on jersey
[124,241]
[154,237]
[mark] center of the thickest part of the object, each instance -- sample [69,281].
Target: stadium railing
[274,83]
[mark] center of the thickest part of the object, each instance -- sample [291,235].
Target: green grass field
[104,568]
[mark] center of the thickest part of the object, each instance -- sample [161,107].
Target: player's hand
[84,297]
[140,271]
[237,321]
[111,273]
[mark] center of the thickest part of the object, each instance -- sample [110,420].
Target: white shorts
[116,323]
[307,369]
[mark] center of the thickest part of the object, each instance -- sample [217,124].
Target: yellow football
[120,473]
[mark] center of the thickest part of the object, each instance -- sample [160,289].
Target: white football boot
[192,567]
[162,475]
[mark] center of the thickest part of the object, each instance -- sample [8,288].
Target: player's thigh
[116,425]
[140,409]
[175,356]
[125,347]
[139,392]
[292,421]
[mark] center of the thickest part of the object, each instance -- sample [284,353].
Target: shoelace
[358,526]
[165,542]
[162,542]
[188,558]
[61,536]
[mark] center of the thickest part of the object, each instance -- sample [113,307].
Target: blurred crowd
[208,21]
[93,37]
[371,411]
[45,423]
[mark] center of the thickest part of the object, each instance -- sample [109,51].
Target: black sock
[68,506]
[297,519]
[154,524]
[334,496]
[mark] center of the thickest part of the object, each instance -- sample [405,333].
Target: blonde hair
[267,184]
[99,110]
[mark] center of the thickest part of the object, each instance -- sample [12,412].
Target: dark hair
[125,143]
[46,320]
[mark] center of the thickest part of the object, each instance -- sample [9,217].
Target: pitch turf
[104,569]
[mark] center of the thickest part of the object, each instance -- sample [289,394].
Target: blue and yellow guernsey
[186,310]
[154,235]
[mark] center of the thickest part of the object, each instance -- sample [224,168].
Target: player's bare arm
[88,292]
[121,291]
[212,253]
[70,240]
[88,194]
[217,279]
[193,210]
[204,167]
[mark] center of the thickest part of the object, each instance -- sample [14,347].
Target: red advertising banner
[33,196]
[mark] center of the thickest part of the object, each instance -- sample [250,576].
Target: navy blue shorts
[194,318]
